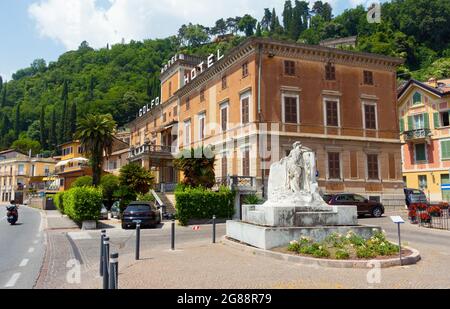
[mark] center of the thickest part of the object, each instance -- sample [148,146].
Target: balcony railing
[148,149]
[418,134]
[237,182]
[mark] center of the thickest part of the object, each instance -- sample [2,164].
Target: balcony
[152,151]
[238,183]
[417,135]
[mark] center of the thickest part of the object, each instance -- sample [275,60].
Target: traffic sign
[397,219]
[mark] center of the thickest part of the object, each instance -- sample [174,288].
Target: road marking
[31,250]
[24,263]
[79,235]
[12,282]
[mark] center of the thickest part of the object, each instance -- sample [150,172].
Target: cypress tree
[258,30]
[3,103]
[17,122]
[64,97]
[72,125]
[1,84]
[52,134]
[42,128]
[287,16]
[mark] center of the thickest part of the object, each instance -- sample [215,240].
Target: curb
[412,259]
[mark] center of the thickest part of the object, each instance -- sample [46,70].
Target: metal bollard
[138,240]
[106,264]
[173,234]
[214,229]
[102,251]
[114,271]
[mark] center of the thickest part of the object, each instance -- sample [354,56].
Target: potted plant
[413,216]
[435,211]
[421,206]
[425,218]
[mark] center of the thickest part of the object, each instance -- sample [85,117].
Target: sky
[33,29]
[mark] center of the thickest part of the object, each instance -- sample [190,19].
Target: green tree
[72,125]
[220,27]
[42,132]
[266,20]
[136,178]
[197,166]
[323,10]
[63,122]
[193,35]
[17,121]
[109,184]
[1,83]
[4,94]
[52,133]
[80,182]
[247,24]
[96,133]
[258,30]
[25,144]
[287,16]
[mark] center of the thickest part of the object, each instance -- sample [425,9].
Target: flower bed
[345,247]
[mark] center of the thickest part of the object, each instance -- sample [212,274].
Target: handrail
[157,198]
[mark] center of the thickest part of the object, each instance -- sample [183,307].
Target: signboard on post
[399,221]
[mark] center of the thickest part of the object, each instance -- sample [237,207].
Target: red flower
[412,213]
[425,217]
[435,210]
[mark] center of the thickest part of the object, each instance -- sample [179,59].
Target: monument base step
[273,237]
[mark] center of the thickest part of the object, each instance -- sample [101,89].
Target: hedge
[59,201]
[200,203]
[82,204]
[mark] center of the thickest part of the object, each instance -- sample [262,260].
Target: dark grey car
[145,213]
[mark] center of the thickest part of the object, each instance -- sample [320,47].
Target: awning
[74,160]
[62,163]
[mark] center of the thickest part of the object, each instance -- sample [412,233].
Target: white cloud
[72,21]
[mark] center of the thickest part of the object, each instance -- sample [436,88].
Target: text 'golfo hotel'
[254,102]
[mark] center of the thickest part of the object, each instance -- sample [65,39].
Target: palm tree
[198,169]
[96,134]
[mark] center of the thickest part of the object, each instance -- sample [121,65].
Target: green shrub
[252,199]
[146,197]
[342,254]
[58,199]
[85,181]
[82,204]
[364,252]
[200,203]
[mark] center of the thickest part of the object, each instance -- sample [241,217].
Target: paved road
[22,249]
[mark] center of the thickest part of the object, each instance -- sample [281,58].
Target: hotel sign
[145,109]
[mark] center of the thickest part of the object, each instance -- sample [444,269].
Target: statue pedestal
[267,227]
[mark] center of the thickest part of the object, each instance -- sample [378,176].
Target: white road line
[31,250]
[24,263]
[12,282]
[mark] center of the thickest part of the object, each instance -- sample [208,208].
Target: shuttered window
[224,166]
[290,110]
[332,113]
[370,116]
[445,150]
[437,122]
[330,72]
[402,125]
[392,173]
[246,163]
[334,165]
[245,111]
[354,164]
[289,68]
[420,152]
[372,167]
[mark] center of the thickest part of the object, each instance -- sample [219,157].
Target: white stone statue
[293,180]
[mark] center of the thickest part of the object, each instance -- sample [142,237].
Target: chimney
[433,82]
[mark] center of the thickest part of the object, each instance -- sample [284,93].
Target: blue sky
[45,29]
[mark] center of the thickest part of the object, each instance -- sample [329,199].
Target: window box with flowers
[413,216]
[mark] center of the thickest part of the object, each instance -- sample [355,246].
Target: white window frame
[426,181]
[338,101]
[283,111]
[422,122]
[367,167]
[243,96]
[187,133]
[340,166]
[223,106]
[364,103]
[426,153]
[200,117]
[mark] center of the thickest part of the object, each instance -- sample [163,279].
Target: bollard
[214,229]
[106,263]
[173,234]
[138,239]
[114,271]
[102,251]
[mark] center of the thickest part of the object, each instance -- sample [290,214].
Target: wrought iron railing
[237,182]
[146,149]
[417,134]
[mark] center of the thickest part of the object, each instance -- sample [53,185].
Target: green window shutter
[426,120]
[420,152]
[410,123]
[437,121]
[402,125]
[445,149]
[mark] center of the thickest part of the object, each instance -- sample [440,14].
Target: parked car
[365,206]
[104,213]
[115,210]
[415,196]
[147,213]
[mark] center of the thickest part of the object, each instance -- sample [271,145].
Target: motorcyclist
[12,212]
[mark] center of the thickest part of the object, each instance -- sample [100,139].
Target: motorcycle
[12,214]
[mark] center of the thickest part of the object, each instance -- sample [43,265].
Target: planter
[435,215]
[89,225]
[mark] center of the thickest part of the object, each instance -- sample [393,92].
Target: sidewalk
[57,221]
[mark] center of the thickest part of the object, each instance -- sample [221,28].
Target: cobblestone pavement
[199,264]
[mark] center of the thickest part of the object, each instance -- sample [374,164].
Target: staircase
[167,200]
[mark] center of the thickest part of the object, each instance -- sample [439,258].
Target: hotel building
[253,103]
[424,110]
